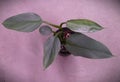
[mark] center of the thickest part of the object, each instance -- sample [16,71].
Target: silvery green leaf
[45,30]
[51,50]
[26,22]
[83,25]
[82,45]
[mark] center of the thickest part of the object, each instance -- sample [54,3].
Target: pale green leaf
[45,30]
[82,45]
[83,25]
[26,22]
[51,50]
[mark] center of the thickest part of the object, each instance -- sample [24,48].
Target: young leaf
[51,50]
[82,45]
[83,25]
[26,22]
[45,30]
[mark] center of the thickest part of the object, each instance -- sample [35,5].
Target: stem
[53,32]
[56,26]
[62,24]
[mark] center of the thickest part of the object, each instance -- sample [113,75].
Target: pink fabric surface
[21,53]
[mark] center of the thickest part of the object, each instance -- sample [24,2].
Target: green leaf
[51,50]
[83,25]
[45,30]
[26,22]
[82,45]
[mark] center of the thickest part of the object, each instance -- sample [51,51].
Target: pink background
[21,53]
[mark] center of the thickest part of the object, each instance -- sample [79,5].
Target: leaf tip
[3,23]
[112,56]
[44,68]
[102,28]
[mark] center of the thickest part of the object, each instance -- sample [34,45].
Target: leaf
[26,22]
[45,30]
[51,50]
[82,45]
[83,25]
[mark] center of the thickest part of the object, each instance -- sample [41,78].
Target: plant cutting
[67,39]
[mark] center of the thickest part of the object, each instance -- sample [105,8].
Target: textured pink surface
[21,53]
